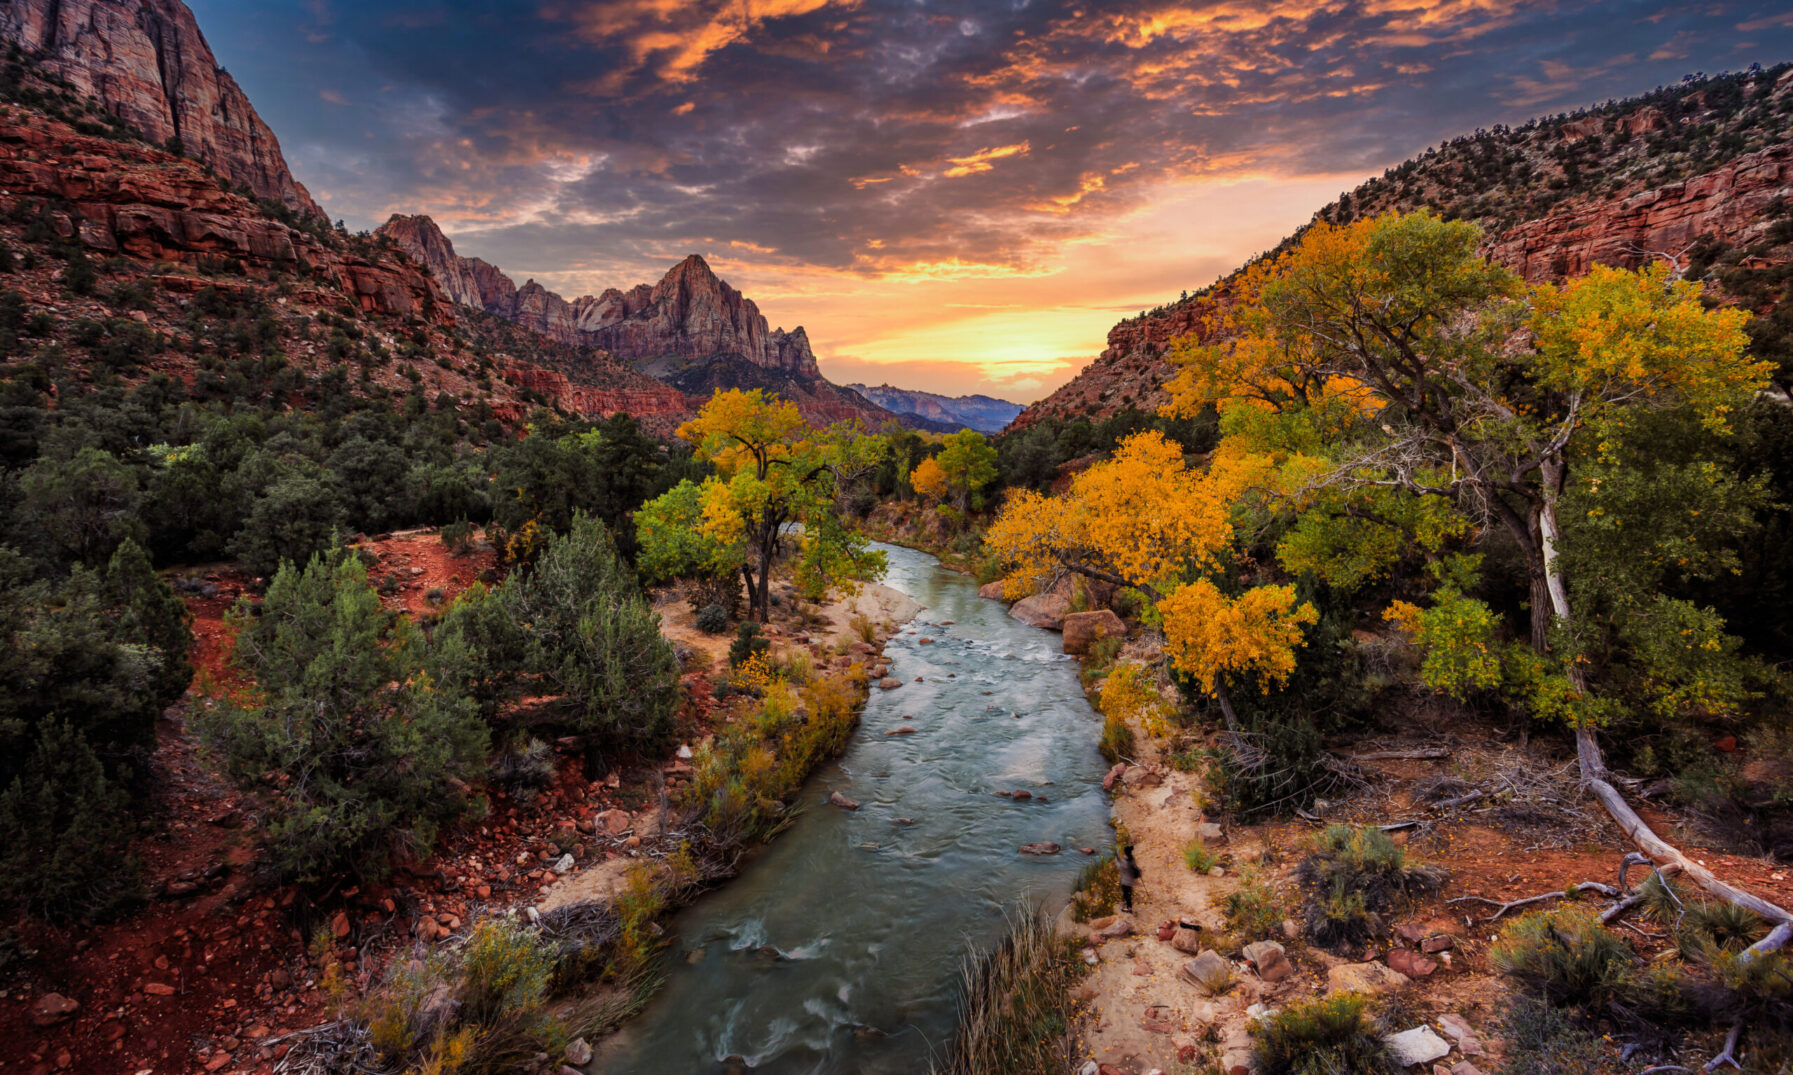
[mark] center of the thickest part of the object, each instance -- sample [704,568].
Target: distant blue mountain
[985,414]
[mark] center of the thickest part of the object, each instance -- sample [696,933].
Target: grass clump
[1253,909]
[1015,1005]
[1544,1040]
[1331,1035]
[1566,958]
[483,1008]
[1098,889]
[1354,877]
[1198,858]
[1117,739]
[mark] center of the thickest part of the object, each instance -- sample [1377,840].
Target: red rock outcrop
[131,199]
[691,315]
[147,63]
[659,407]
[1730,202]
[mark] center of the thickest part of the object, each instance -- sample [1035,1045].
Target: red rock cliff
[147,63]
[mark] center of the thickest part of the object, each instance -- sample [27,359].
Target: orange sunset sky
[961,197]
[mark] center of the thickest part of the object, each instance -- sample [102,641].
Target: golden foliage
[1210,635]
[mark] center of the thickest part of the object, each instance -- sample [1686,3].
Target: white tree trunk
[1593,762]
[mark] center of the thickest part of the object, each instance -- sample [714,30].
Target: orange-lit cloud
[984,184]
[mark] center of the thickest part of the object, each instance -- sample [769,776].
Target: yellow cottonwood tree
[773,471]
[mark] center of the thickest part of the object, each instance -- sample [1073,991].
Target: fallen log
[1597,780]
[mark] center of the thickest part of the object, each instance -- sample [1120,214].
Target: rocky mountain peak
[146,62]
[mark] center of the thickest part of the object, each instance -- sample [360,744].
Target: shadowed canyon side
[146,62]
[690,330]
[1619,185]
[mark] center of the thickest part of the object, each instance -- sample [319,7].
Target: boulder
[615,822]
[1042,847]
[1107,929]
[1046,610]
[835,798]
[1083,629]
[52,1008]
[1207,970]
[1187,938]
[579,1053]
[1271,961]
[1437,942]
[1114,775]
[1363,978]
[1457,1029]
[991,590]
[1417,1046]
[1411,963]
[889,683]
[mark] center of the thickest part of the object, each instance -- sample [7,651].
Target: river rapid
[839,947]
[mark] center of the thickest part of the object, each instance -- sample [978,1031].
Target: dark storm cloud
[581,139]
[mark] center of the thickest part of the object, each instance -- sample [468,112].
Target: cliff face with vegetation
[146,62]
[690,330]
[1709,162]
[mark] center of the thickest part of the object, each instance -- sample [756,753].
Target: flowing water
[838,949]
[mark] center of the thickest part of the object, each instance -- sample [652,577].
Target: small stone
[889,683]
[1114,774]
[1216,871]
[1457,1029]
[1290,930]
[579,1053]
[53,1008]
[1464,1067]
[1206,971]
[1417,1046]
[159,989]
[835,798]
[340,925]
[1412,932]
[1207,830]
[1021,796]
[563,865]
[615,822]
[1437,942]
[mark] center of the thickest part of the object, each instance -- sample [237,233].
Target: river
[838,948]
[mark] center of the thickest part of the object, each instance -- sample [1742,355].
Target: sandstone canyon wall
[146,62]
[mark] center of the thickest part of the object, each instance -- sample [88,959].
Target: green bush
[1566,958]
[365,751]
[1016,1007]
[748,644]
[712,619]
[594,641]
[1331,1035]
[1352,878]
[65,832]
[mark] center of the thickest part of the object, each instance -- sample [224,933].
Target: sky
[960,197]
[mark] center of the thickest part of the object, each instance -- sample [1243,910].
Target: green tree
[968,462]
[593,640]
[65,831]
[296,518]
[356,754]
[80,507]
[772,472]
